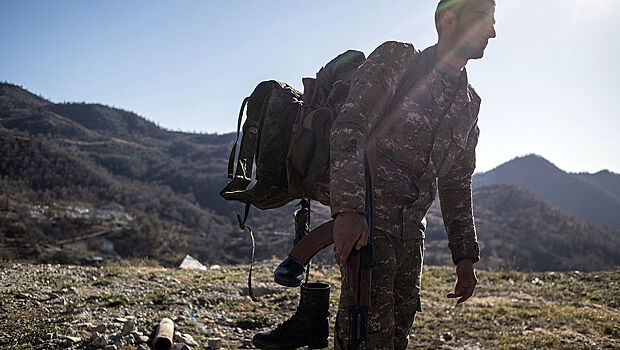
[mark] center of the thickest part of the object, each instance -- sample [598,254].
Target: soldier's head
[466,26]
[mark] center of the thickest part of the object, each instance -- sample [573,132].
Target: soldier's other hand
[466,280]
[350,230]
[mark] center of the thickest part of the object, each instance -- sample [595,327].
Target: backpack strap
[231,158]
[411,76]
[243,226]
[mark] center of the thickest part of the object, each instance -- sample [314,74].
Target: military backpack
[286,138]
[286,133]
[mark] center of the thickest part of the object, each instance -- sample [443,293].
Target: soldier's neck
[447,61]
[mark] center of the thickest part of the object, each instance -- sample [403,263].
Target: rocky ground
[116,306]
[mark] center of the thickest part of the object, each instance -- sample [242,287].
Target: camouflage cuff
[471,251]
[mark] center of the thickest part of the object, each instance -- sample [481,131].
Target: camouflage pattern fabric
[424,140]
[272,109]
[395,293]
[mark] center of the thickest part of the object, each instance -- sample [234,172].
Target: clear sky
[549,81]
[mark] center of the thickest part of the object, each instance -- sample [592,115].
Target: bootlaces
[291,323]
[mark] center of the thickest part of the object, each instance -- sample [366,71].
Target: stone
[143,339]
[188,339]
[99,340]
[215,343]
[447,336]
[537,281]
[86,325]
[128,327]
[136,335]
[110,347]
[260,289]
[180,346]
[192,264]
[129,339]
[70,339]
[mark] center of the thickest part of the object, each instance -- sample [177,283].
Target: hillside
[80,182]
[591,197]
[88,307]
[604,180]
[166,182]
[519,230]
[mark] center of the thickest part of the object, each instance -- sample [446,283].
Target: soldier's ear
[447,20]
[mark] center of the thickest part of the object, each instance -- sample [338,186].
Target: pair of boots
[309,326]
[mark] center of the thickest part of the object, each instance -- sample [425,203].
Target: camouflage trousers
[395,292]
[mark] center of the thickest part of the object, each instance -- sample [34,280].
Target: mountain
[80,181]
[56,157]
[518,229]
[49,195]
[592,197]
[605,180]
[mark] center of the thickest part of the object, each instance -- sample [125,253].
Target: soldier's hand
[465,280]
[350,230]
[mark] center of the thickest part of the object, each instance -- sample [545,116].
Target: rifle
[359,270]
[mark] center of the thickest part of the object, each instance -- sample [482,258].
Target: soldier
[423,141]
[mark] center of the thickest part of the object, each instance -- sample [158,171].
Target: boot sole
[286,283]
[317,345]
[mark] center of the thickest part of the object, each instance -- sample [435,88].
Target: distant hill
[81,180]
[591,197]
[517,229]
[604,180]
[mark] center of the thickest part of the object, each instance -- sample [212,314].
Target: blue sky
[549,81]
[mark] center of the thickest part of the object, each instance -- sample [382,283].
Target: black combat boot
[309,325]
[290,273]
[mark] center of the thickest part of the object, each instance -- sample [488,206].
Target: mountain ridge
[167,182]
[578,194]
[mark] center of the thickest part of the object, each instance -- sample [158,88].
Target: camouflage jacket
[425,141]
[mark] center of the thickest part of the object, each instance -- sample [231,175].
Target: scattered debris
[186,338]
[192,264]
[163,335]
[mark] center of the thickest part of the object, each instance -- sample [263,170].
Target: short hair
[453,5]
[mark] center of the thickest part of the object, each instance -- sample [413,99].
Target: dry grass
[510,310]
